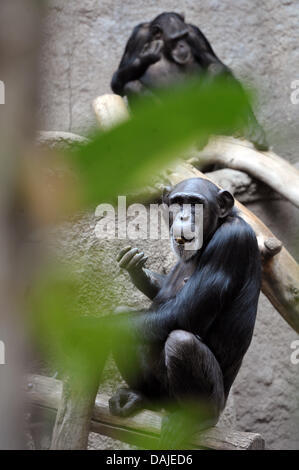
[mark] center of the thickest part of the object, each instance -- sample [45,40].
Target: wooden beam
[46,392]
[73,420]
[240,154]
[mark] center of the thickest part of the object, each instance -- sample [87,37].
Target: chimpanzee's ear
[225,202]
[182,15]
[165,196]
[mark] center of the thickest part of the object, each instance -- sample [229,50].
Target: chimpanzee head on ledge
[173,31]
[197,208]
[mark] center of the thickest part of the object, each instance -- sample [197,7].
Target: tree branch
[239,154]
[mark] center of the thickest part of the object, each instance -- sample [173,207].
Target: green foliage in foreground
[110,164]
[124,157]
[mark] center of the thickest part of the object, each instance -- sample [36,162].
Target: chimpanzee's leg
[193,372]
[137,364]
[195,386]
[142,367]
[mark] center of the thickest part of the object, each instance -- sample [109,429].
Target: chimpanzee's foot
[126,402]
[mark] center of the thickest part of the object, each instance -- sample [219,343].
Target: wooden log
[46,392]
[239,154]
[58,139]
[229,152]
[110,110]
[75,406]
[242,186]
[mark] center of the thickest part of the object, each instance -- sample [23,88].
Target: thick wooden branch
[75,407]
[229,152]
[242,186]
[239,154]
[110,110]
[46,392]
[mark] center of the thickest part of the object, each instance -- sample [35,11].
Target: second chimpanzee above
[190,344]
[166,50]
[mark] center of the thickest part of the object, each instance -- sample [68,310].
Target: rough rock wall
[266,389]
[83,42]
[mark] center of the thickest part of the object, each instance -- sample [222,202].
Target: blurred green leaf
[111,164]
[74,343]
[123,158]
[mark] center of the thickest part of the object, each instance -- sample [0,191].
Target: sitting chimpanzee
[166,50]
[191,342]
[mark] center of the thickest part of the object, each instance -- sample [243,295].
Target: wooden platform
[45,392]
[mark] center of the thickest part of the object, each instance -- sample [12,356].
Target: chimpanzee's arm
[147,281]
[230,265]
[139,55]
[128,73]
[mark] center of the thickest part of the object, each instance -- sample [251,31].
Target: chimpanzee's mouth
[182,240]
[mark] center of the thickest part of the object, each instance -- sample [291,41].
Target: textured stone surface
[266,389]
[83,42]
[59,140]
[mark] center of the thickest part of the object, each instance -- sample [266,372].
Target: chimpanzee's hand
[151,52]
[131,259]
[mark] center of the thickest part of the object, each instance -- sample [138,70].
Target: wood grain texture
[46,392]
[240,154]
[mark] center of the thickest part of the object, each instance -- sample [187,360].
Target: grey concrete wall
[83,42]
[266,389]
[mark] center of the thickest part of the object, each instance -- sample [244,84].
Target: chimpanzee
[166,50]
[191,341]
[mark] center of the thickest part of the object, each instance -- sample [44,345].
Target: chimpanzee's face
[196,207]
[180,50]
[173,31]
